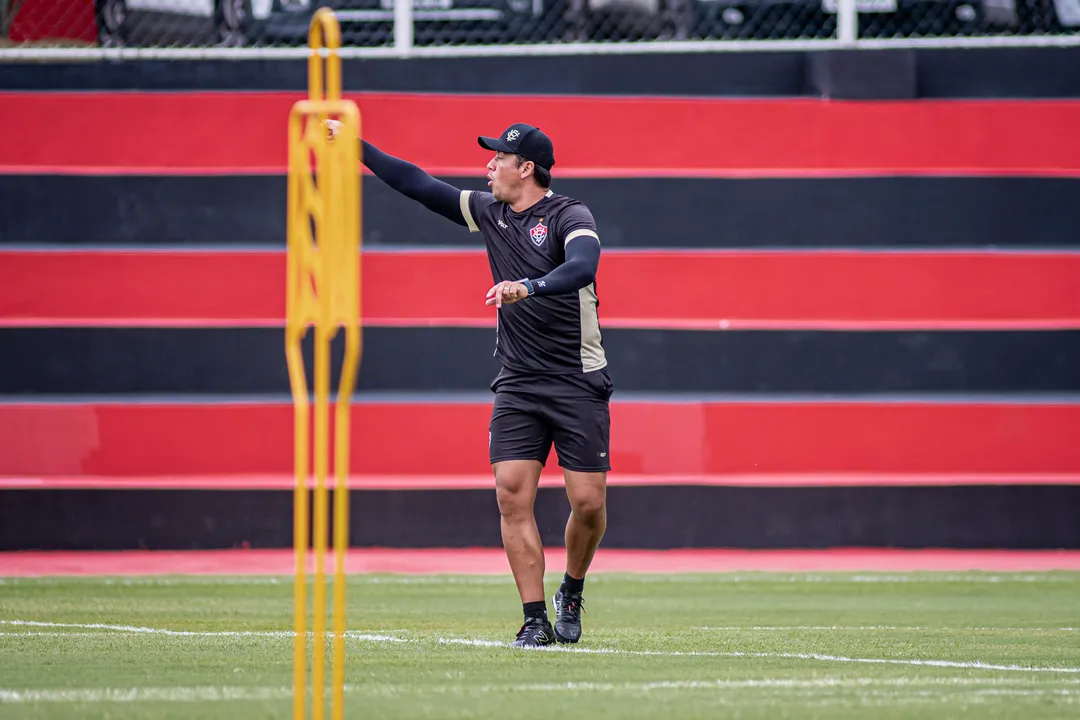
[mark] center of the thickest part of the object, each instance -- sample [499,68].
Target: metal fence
[601,25]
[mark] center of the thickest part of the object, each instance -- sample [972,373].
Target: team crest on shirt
[539,233]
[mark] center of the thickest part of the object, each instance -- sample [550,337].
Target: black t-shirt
[543,334]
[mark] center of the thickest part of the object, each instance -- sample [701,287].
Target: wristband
[528,285]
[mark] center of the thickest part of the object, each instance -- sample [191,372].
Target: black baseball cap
[524,140]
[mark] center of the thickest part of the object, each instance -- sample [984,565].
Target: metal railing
[117,29]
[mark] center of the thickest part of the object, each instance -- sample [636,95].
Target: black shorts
[530,414]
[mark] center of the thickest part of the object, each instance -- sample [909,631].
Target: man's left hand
[506,292]
[332,129]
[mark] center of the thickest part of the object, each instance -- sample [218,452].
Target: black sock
[572,585]
[536,609]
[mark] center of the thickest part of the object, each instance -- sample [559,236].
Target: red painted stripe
[179,132]
[617,323]
[436,439]
[485,482]
[585,173]
[694,290]
[492,561]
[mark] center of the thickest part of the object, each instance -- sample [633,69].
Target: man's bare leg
[585,528]
[515,490]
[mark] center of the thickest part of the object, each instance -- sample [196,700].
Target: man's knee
[511,502]
[515,486]
[590,509]
[587,493]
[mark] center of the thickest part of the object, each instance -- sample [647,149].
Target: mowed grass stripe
[239,692]
[476,642]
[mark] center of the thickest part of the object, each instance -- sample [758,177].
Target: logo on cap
[539,233]
[521,139]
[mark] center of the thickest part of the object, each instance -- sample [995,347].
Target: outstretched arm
[409,180]
[576,272]
[415,183]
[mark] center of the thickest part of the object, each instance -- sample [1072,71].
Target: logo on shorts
[539,233]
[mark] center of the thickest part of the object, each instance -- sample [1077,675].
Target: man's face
[505,178]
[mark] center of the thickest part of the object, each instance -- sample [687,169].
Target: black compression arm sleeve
[579,269]
[413,182]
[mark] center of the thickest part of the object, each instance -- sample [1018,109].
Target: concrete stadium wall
[874,343]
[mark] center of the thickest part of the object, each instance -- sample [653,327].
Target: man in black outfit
[553,386]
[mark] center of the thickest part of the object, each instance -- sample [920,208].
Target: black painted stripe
[1022,72]
[1019,72]
[633,213]
[61,361]
[1021,517]
[739,74]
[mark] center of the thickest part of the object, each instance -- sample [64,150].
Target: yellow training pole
[299,313]
[351,318]
[323,290]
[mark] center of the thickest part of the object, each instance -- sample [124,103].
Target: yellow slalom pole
[350,307]
[298,314]
[321,520]
[323,290]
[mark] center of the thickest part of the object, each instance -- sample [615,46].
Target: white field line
[182,580]
[868,686]
[190,633]
[972,665]
[145,694]
[352,633]
[476,642]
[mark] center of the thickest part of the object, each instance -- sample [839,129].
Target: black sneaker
[568,609]
[536,632]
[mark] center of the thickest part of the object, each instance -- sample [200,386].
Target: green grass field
[669,646]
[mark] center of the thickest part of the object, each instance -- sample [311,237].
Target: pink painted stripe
[492,561]
[549,479]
